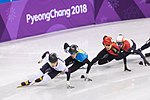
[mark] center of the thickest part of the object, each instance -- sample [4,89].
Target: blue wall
[3,1]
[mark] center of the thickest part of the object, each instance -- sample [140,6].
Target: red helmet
[107,40]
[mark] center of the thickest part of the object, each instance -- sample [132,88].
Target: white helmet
[120,38]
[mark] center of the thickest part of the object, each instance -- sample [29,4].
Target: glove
[148,41]
[139,49]
[132,51]
[140,63]
[40,61]
[62,72]
[69,86]
[87,78]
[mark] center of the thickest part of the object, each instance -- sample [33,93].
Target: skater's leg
[125,64]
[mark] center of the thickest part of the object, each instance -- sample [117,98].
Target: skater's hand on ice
[87,78]
[69,86]
[40,61]
[63,72]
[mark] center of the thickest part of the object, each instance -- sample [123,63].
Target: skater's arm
[43,56]
[146,45]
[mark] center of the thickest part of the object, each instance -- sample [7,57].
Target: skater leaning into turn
[77,59]
[48,71]
[110,52]
[128,46]
[145,46]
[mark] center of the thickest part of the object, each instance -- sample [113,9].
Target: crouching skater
[127,47]
[54,67]
[76,60]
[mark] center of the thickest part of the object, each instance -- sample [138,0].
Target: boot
[146,63]
[25,83]
[147,54]
[126,69]
[39,79]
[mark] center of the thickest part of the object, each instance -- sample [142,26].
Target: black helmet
[53,57]
[66,47]
[73,49]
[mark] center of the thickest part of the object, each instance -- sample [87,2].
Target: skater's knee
[103,62]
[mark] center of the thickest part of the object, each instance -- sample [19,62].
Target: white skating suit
[49,72]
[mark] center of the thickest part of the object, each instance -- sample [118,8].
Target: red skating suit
[114,49]
[127,44]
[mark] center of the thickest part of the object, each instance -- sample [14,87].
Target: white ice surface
[18,60]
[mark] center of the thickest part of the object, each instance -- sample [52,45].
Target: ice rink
[18,61]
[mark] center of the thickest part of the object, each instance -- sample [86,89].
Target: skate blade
[20,86]
[70,87]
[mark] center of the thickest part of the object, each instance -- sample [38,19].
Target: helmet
[73,49]
[66,47]
[53,57]
[120,38]
[107,40]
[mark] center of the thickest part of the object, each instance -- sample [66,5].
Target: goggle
[120,43]
[107,44]
[72,53]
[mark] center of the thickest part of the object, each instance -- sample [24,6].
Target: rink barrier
[24,18]
[118,10]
